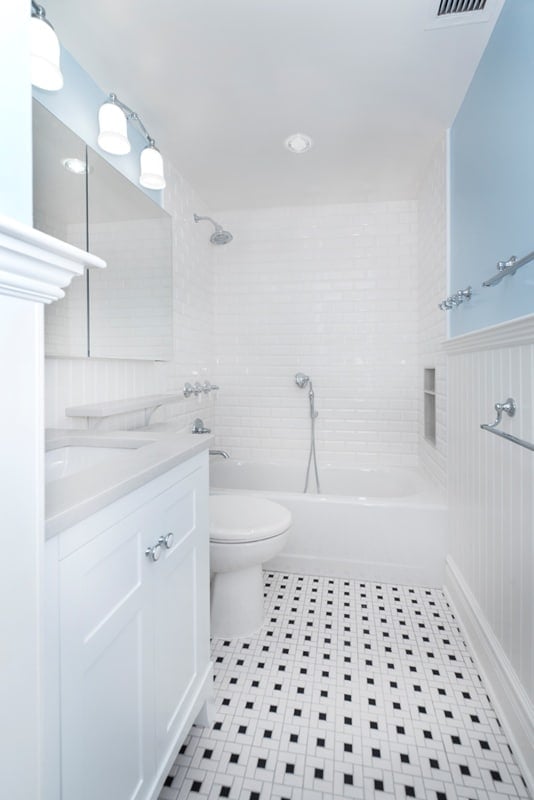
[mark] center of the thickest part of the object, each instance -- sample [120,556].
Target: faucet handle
[198,427]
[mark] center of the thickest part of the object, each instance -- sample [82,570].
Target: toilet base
[237,602]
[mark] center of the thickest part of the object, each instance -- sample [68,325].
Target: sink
[60,462]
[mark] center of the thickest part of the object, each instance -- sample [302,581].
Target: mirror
[125,310]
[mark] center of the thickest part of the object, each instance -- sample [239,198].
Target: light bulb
[113,135]
[151,176]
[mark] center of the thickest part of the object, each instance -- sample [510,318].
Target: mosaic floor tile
[350,690]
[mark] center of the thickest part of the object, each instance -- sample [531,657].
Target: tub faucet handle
[198,427]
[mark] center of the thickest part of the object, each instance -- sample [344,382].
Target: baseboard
[513,706]
[375,572]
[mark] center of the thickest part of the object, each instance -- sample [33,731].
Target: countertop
[74,498]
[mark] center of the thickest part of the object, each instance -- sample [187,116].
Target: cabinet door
[181,592]
[107,737]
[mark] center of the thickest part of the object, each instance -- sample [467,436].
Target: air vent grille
[458,6]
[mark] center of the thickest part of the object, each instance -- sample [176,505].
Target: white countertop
[72,499]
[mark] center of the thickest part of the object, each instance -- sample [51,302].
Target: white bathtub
[386,525]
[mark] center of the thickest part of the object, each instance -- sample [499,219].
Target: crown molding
[35,266]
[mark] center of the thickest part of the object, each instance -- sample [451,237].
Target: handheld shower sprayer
[302,381]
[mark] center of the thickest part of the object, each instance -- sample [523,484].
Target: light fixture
[75,165]
[44,52]
[113,117]
[151,176]
[113,133]
[298,143]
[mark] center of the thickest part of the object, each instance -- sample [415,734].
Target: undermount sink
[61,462]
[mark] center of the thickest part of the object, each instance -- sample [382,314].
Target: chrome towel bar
[509,407]
[508,268]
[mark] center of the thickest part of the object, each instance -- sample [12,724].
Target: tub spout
[222,453]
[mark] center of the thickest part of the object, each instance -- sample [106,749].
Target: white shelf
[129,404]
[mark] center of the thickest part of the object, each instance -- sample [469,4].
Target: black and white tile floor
[350,690]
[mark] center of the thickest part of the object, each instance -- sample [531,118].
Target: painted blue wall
[15,111]
[492,176]
[77,104]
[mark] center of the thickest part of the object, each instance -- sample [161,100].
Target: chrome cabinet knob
[153,553]
[166,541]
[188,390]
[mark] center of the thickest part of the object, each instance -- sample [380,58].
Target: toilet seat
[240,518]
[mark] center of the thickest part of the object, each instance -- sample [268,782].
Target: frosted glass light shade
[113,135]
[45,51]
[151,176]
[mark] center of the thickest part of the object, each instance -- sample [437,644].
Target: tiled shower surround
[330,291]
[350,690]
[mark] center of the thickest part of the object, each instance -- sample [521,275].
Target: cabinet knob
[167,541]
[153,553]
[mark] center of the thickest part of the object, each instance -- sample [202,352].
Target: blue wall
[16,119]
[77,104]
[492,176]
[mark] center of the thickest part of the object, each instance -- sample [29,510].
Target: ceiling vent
[449,13]
[460,6]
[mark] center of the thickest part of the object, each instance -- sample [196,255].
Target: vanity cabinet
[132,612]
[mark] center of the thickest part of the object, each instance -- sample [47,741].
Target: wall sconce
[44,52]
[113,117]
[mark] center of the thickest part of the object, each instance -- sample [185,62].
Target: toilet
[245,531]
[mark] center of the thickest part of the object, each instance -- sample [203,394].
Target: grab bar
[509,407]
[508,268]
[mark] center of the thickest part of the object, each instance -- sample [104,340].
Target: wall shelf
[94,412]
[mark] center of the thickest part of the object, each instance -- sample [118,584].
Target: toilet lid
[239,518]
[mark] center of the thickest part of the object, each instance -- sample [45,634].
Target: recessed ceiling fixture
[75,165]
[298,143]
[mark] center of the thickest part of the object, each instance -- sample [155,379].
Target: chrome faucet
[222,453]
[198,427]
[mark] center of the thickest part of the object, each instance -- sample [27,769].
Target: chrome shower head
[219,236]
[301,380]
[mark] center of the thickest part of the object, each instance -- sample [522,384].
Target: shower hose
[313,416]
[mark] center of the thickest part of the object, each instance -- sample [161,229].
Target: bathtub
[385,525]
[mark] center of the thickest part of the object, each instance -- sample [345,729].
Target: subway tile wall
[330,291]
[78,381]
[431,289]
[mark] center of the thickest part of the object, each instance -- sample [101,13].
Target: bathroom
[345,290]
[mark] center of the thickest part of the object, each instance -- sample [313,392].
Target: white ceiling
[220,85]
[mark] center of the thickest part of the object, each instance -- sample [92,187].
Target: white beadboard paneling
[490,495]
[330,291]
[431,288]
[80,381]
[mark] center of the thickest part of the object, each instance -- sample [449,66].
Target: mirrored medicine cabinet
[125,310]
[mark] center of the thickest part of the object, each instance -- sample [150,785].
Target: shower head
[219,236]
[301,380]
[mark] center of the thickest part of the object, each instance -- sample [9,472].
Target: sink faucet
[198,427]
[222,453]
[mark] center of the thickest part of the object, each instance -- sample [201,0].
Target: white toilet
[245,532]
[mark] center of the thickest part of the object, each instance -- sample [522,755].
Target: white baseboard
[513,706]
[377,572]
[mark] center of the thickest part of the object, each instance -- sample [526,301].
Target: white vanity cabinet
[130,598]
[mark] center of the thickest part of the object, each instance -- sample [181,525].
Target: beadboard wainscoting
[490,575]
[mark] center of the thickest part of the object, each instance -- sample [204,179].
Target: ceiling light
[44,52]
[298,143]
[75,165]
[113,118]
